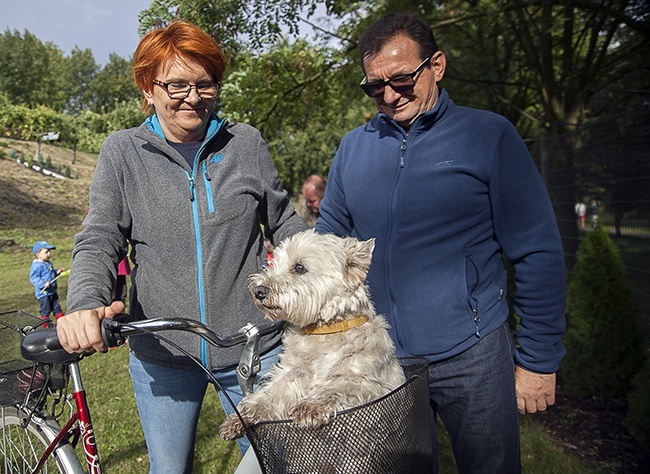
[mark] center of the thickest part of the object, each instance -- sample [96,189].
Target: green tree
[79,72]
[28,72]
[237,25]
[113,85]
[603,339]
[302,98]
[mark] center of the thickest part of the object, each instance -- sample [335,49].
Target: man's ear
[438,65]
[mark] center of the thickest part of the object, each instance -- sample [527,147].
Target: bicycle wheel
[21,448]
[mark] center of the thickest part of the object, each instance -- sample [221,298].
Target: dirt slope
[29,199]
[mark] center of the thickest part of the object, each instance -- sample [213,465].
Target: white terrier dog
[337,352]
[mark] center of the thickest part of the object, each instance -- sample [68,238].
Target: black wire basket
[391,435]
[20,379]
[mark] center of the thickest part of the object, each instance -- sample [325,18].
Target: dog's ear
[359,255]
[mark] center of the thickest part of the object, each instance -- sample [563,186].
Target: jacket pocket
[472,278]
[208,188]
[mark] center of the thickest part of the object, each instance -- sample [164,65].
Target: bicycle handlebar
[114,331]
[44,346]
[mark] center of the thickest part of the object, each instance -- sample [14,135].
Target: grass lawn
[34,207]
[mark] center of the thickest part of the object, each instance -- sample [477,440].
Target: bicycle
[369,438]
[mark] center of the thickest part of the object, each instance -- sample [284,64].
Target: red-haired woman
[190,192]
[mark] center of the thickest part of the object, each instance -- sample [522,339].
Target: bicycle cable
[185,352]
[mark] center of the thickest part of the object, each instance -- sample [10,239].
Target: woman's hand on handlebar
[80,332]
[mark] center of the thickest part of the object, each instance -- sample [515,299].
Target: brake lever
[249,363]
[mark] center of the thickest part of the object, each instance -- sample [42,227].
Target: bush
[603,340]
[638,414]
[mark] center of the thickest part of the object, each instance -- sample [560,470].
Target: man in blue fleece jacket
[446,191]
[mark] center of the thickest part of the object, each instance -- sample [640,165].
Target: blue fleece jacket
[445,202]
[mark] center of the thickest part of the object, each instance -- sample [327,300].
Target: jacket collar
[214,125]
[427,119]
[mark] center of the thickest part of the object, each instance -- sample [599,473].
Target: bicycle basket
[19,377]
[389,435]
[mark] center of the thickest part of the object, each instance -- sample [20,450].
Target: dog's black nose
[261,292]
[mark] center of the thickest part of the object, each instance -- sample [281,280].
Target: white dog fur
[317,281]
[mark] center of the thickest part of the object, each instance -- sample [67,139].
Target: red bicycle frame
[85,426]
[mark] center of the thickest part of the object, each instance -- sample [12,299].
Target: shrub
[603,340]
[638,415]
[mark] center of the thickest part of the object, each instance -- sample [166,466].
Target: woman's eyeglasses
[402,83]
[180,90]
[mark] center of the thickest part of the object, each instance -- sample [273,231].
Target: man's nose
[390,95]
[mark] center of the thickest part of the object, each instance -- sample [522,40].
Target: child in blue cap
[43,275]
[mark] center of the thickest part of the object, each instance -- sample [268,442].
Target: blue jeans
[50,304]
[169,402]
[473,393]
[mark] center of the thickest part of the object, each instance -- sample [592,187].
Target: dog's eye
[299,269]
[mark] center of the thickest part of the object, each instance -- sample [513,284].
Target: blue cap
[41,244]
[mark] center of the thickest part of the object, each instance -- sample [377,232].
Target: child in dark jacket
[43,275]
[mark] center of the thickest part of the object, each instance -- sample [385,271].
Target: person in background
[581,212]
[269,247]
[312,192]
[123,271]
[43,275]
[190,192]
[447,191]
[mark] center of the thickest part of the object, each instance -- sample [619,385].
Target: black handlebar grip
[43,346]
[52,341]
[111,333]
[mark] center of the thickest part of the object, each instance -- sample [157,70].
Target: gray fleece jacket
[195,234]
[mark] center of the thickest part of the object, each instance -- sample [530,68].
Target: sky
[103,26]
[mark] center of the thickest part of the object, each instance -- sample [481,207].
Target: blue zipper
[391,236]
[213,128]
[212,131]
[199,258]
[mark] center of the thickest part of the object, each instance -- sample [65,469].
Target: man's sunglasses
[402,83]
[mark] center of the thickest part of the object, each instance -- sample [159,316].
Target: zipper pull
[205,171]
[402,150]
[192,186]
[476,321]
